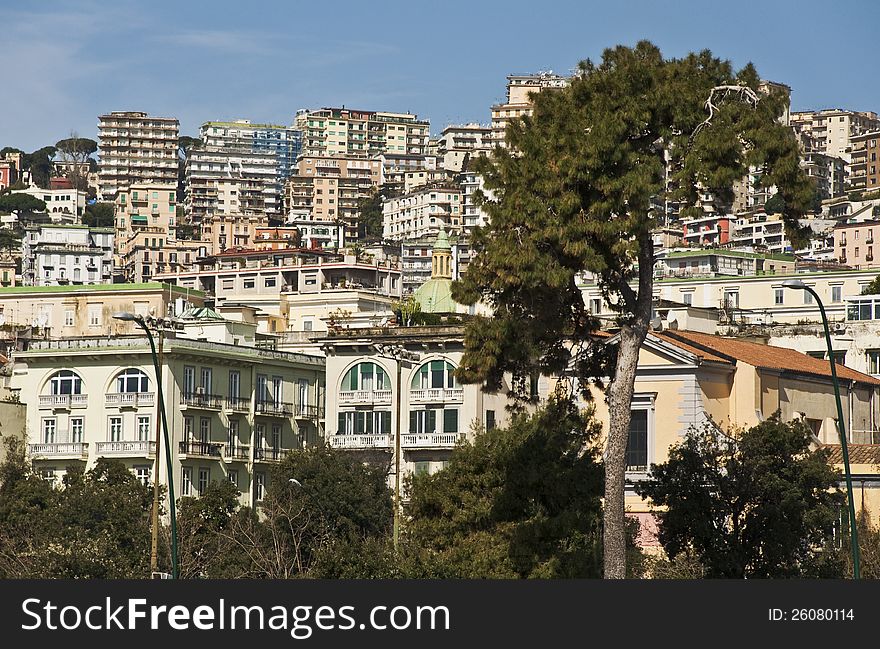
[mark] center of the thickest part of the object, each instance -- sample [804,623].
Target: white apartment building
[54,255]
[364,391]
[423,212]
[233,411]
[345,132]
[134,148]
[473,216]
[459,142]
[710,263]
[760,230]
[61,204]
[832,129]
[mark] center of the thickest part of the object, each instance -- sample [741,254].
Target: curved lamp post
[139,321]
[841,426]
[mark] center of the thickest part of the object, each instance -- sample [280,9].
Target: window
[836,293]
[94,315]
[232,434]
[205,382]
[687,298]
[189,380]
[778,296]
[307,325]
[421,468]
[65,382]
[364,422]
[259,486]
[234,383]
[276,436]
[115,428]
[50,427]
[434,374]
[142,473]
[490,420]
[187,428]
[269,282]
[76,429]
[204,480]
[132,380]
[232,476]
[637,443]
[186,480]
[423,421]
[839,355]
[808,297]
[204,429]
[143,428]
[68,318]
[366,376]
[595,305]
[873,361]
[731,299]
[248,283]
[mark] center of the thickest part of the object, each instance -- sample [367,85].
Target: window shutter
[450,420]
[341,423]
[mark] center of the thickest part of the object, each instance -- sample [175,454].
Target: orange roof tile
[858,453]
[766,356]
[703,354]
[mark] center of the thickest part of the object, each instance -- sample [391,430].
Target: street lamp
[399,354]
[841,426]
[139,321]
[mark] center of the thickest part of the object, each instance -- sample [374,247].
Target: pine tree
[577,192]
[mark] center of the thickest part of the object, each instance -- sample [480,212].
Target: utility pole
[154,547]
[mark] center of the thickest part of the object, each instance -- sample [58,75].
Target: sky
[66,62]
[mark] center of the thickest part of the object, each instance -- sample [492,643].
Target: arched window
[366,376]
[65,382]
[132,380]
[434,374]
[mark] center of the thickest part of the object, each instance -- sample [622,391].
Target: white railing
[129,398]
[360,441]
[430,440]
[133,448]
[67,449]
[64,400]
[365,396]
[437,394]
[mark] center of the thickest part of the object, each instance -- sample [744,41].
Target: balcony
[237,453]
[308,411]
[274,408]
[129,399]
[437,395]
[263,454]
[64,401]
[138,449]
[365,396]
[64,451]
[199,400]
[430,440]
[207,450]
[239,404]
[359,441]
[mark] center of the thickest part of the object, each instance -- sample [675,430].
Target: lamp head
[295,482]
[127,317]
[794,283]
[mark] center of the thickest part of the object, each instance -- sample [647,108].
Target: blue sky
[66,62]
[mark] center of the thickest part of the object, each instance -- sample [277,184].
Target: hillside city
[298,281]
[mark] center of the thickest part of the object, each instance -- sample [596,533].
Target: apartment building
[395,168]
[473,215]
[54,255]
[148,252]
[61,204]
[222,231]
[711,263]
[145,205]
[73,311]
[10,168]
[519,102]
[854,244]
[412,180]
[760,230]
[284,142]
[710,229]
[459,142]
[423,212]
[348,132]
[317,235]
[136,148]
[231,181]
[276,238]
[864,168]
[233,411]
[366,387]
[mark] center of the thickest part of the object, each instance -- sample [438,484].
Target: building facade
[519,102]
[54,255]
[136,148]
[854,244]
[347,132]
[423,212]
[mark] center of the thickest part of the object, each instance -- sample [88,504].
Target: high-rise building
[136,148]
[457,143]
[285,142]
[519,102]
[424,211]
[56,255]
[346,132]
[865,168]
[833,129]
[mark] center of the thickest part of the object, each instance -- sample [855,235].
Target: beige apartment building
[519,103]
[74,311]
[854,244]
[145,205]
[233,410]
[865,168]
[148,253]
[459,142]
[223,231]
[135,148]
[423,212]
[347,132]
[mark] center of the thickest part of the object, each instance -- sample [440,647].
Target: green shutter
[386,421]
[450,378]
[359,422]
[432,421]
[413,421]
[341,424]
[450,421]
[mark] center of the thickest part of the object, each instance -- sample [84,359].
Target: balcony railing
[64,400]
[211,450]
[198,400]
[365,396]
[437,395]
[129,399]
[238,452]
[359,441]
[126,449]
[308,411]
[274,408]
[66,450]
[270,454]
[430,440]
[238,403]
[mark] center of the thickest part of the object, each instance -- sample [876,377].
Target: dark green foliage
[759,505]
[203,550]
[21,204]
[517,502]
[872,288]
[10,239]
[185,143]
[370,214]
[99,215]
[40,165]
[775,204]
[97,525]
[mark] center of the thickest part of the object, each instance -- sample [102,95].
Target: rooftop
[729,253]
[95,288]
[858,453]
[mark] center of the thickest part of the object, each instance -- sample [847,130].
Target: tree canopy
[579,191]
[21,204]
[759,504]
[99,215]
